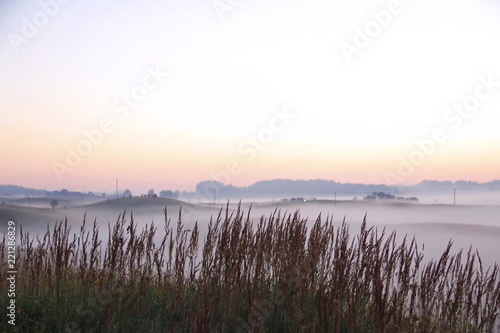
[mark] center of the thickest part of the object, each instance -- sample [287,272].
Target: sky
[167,94]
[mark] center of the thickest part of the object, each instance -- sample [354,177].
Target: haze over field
[432,225]
[167,96]
[289,165]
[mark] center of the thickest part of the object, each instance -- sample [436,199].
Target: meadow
[278,273]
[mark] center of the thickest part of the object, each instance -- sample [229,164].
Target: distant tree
[379,195]
[127,193]
[54,203]
[382,195]
[370,197]
[408,198]
[151,193]
[169,194]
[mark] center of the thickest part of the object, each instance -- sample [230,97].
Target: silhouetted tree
[54,203]
[169,194]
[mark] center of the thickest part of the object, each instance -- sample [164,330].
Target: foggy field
[269,266]
[433,225]
[250,166]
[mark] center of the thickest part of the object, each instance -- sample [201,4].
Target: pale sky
[241,91]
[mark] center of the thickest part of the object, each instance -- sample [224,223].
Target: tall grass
[274,275]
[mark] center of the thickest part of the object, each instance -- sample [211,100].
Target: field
[265,268]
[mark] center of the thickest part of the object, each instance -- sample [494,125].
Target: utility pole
[454,197]
[214,195]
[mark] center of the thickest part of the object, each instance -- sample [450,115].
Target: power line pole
[214,195]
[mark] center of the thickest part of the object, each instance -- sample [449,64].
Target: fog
[433,225]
